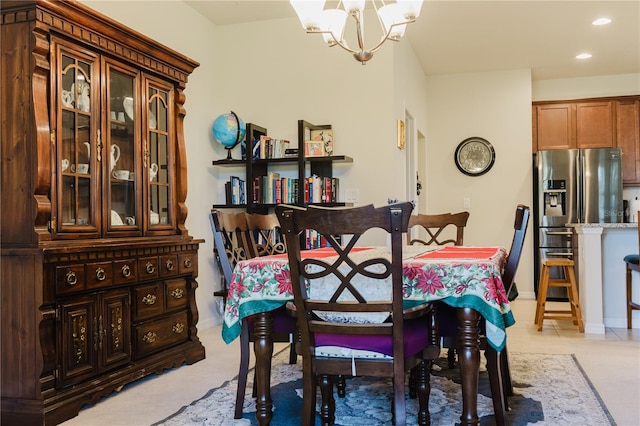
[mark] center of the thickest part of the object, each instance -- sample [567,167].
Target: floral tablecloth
[458,276]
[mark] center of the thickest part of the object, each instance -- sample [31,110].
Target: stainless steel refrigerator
[572,186]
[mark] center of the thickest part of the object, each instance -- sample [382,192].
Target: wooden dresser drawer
[125,271]
[169,265]
[69,278]
[148,267]
[99,274]
[188,262]
[176,294]
[148,300]
[153,336]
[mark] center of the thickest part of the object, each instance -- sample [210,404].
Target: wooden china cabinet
[98,270]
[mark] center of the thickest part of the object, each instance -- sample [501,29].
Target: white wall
[272,73]
[181,28]
[586,87]
[495,106]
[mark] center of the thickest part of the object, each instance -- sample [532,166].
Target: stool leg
[572,300]
[629,294]
[575,299]
[542,296]
[540,284]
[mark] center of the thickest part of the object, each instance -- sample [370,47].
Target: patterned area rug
[549,390]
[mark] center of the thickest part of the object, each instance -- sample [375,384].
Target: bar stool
[632,265]
[575,314]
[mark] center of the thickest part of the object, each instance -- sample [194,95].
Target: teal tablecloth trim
[229,334]
[496,322]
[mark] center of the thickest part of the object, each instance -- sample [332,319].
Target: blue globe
[229,130]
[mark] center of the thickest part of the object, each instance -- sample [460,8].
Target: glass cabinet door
[159,155]
[121,149]
[77,142]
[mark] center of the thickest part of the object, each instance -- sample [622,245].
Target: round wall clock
[474,156]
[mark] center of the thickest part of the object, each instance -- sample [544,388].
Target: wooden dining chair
[345,329]
[440,231]
[235,239]
[437,227]
[497,362]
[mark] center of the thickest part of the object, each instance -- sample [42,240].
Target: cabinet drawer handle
[178,328]
[149,299]
[126,271]
[187,262]
[100,274]
[169,265]
[150,268]
[150,337]
[71,277]
[177,293]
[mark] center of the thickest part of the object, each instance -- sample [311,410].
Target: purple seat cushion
[416,338]
[282,321]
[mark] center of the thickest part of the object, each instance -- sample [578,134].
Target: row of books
[268,147]
[274,189]
[313,239]
[235,191]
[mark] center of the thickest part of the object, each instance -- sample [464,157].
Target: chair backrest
[520,230]
[435,224]
[266,236]
[345,277]
[231,241]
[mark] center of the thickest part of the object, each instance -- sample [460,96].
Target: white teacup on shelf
[82,168]
[121,174]
[154,218]
[153,172]
[65,164]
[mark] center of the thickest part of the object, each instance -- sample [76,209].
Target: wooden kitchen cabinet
[98,269]
[573,125]
[628,138]
[554,126]
[591,123]
[594,124]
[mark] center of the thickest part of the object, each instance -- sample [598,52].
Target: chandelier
[392,17]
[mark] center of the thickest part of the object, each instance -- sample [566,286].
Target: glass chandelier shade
[392,17]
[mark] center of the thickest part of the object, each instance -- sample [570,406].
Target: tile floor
[611,361]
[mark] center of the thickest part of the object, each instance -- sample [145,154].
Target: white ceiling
[478,35]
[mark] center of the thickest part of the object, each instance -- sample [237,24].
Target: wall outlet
[466,203]
[351,195]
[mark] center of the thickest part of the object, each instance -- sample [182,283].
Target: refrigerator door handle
[580,186]
[567,233]
[560,253]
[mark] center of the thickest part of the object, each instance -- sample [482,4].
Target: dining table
[468,278]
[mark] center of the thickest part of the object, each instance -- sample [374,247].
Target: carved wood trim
[72,19]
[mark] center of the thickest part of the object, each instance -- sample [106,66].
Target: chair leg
[341,386]
[244,370]
[497,386]
[328,406]
[424,390]
[506,376]
[451,357]
[399,408]
[629,295]
[293,355]
[308,394]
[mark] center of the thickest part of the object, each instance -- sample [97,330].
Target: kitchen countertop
[603,225]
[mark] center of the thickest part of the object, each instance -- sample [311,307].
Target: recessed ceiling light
[601,21]
[583,56]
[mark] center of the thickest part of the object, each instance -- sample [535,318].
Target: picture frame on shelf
[326,137]
[314,149]
[401,135]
